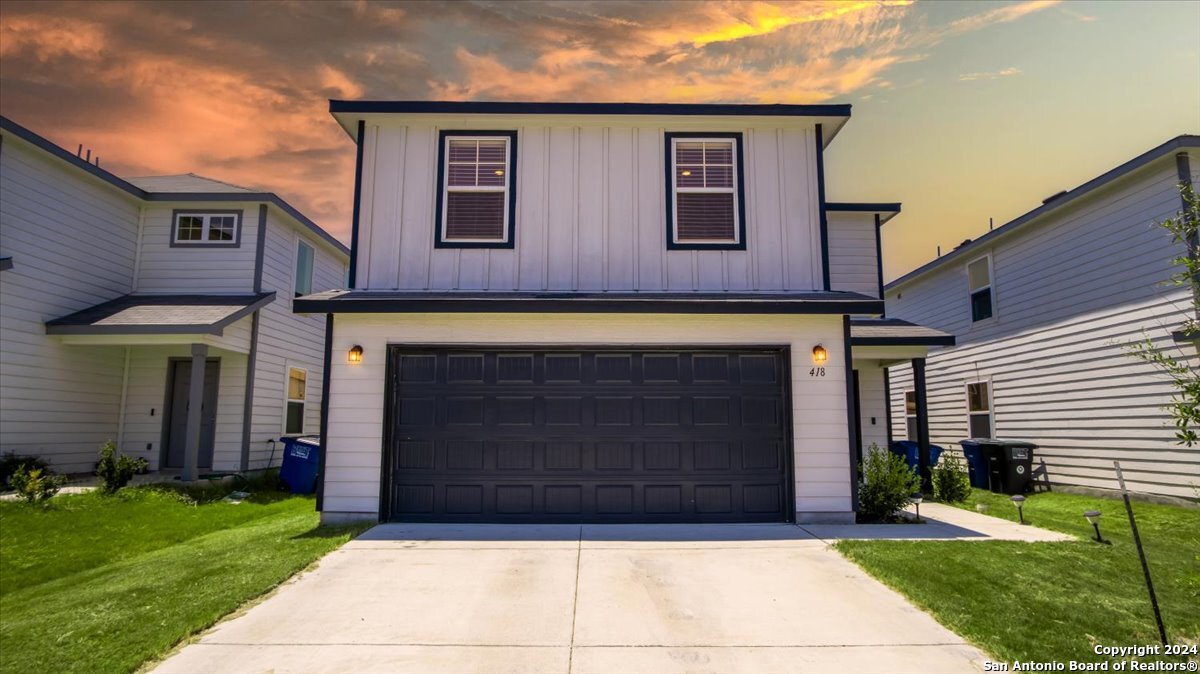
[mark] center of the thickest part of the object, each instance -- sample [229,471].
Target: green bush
[950,482]
[888,485]
[10,462]
[35,485]
[115,470]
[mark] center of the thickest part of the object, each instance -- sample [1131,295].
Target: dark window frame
[439,211]
[740,189]
[174,242]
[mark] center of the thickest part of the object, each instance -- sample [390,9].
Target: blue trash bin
[911,451]
[977,464]
[301,464]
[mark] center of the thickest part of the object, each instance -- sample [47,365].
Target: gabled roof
[1059,200]
[158,187]
[159,314]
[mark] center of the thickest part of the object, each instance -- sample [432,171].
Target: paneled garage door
[598,435]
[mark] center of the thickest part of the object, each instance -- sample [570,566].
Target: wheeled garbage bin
[911,451]
[977,465]
[301,463]
[1009,464]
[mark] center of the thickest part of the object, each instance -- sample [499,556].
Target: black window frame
[669,138]
[174,241]
[511,174]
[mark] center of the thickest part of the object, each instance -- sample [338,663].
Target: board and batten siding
[163,268]
[71,237]
[1071,293]
[872,404]
[286,339]
[853,263]
[356,406]
[591,214]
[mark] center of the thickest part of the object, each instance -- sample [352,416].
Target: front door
[180,382]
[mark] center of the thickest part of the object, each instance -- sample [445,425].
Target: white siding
[1072,293]
[71,238]
[182,269]
[590,214]
[853,263]
[356,409]
[286,339]
[873,404]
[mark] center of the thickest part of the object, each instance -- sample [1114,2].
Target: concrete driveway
[483,598]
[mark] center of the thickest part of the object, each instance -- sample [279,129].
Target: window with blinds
[476,190]
[705,196]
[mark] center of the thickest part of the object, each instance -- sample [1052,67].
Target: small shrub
[887,486]
[950,482]
[115,470]
[35,485]
[10,462]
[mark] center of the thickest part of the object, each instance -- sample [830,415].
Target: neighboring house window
[297,379]
[704,191]
[910,415]
[476,205]
[304,269]
[211,228]
[979,282]
[979,409]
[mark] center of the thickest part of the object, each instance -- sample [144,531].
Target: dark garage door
[587,436]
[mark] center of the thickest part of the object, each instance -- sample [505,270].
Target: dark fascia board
[1178,143]
[6,263]
[947,340]
[886,211]
[600,303]
[529,108]
[54,327]
[270,197]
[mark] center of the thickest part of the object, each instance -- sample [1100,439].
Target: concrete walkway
[591,598]
[940,522]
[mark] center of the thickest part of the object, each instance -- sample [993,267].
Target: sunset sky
[963,111]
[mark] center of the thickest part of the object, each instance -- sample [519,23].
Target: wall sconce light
[1093,518]
[355,354]
[1019,501]
[820,355]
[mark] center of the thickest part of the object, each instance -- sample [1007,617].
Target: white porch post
[191,448]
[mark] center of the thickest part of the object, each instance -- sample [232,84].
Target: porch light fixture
[1019,501]
[355,354]
[820,355]
[916,501]
[1093,518]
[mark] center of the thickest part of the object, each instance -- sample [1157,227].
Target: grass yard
[1052,601]
[102,584]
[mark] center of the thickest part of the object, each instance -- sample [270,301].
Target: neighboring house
[1044,309]
[602,313]
[124,299]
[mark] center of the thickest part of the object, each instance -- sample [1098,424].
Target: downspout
[124,398]
[137,251]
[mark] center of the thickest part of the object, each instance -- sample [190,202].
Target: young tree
[1185,401]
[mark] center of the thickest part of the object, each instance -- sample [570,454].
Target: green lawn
[103,584]
[1052,601]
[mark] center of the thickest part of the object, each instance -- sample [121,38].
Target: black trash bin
[1009,464]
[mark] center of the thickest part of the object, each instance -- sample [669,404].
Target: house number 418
[816,372]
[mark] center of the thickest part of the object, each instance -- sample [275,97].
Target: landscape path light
[916,500]
[1019,501]
[1093,517]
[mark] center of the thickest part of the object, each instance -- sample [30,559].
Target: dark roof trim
[948,340]
[886,211]
[526,108]
[6,263]
[598,303]
[67,325]
[270,197]
[1177,143]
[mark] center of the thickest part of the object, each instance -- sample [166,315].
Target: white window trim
[206,217]
[675,189]
[991,404]
[287,380]
[991,288]
[312,272]
[445,187]
[904,409]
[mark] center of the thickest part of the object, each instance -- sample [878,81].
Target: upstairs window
[207,229]
[705,207]
[304,269]
[476,206]
[979,283]
[979,409]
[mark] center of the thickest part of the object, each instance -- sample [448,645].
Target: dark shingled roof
[895,332]
[159,314]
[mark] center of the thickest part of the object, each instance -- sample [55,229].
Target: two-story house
[574,312]
[154,312]
[1044,309]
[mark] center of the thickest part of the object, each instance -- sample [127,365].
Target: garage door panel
[588,436]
